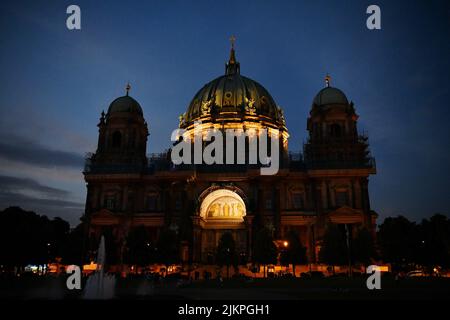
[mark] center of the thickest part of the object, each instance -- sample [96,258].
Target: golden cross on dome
[232,40]
[327,80]
[128,87]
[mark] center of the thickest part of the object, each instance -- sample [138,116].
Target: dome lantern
[233,66]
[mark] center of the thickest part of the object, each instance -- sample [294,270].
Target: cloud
[16,199]
[67,210]
[15,184]
[31,195]
[13,147]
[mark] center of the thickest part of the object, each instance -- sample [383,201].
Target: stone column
[277,211]
[249,228]
[89,198]
[196,250]
[365,201]
[309,247]
[353,194]
[167,205]
[358,194]
[260,202]
[324,190]
[124,199]
[331,202]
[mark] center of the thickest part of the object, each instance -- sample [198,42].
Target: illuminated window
[223,204]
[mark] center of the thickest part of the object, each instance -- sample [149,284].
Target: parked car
[415,273]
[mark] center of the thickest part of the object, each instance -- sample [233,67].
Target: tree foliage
[363,247]
[264,251]
[398,240]
[295,253]
[404,242]
[334,248]
[28,238]
[139,250]
[226,252]
[434,242]
[168,247]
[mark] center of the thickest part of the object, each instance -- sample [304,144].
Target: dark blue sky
[55,82]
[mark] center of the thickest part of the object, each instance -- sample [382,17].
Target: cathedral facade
[325,184]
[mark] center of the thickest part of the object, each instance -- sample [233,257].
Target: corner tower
[123,135]
[333,140]
[338,160]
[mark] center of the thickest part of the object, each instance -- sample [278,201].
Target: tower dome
[125,104]
[329,95]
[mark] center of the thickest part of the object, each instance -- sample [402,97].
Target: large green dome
[233,97]
[232,93]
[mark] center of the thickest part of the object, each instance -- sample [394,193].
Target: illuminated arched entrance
[223,204]
[221,211]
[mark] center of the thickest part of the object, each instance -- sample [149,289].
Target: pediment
[103,213]
[346,214]
[104,217]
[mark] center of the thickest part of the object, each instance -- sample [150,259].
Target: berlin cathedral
[325,184]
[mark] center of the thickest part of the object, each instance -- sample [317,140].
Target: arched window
[152,202]
[110,202]
[116,139]
[297,200]
[342,198]
[335,130]
[132,139]
[130,201]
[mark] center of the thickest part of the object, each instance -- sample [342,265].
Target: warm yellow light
[286,243]
[382,268]
[92,266]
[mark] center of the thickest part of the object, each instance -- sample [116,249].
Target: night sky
[55,82]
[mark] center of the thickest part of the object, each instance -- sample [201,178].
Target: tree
[74,253]
[265,251]
[398,240]
[295,253]
[139,249]
[434,242]
[226,252]
[334,249]
[57,231]
[29,238]
[363,247]
[168,248]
